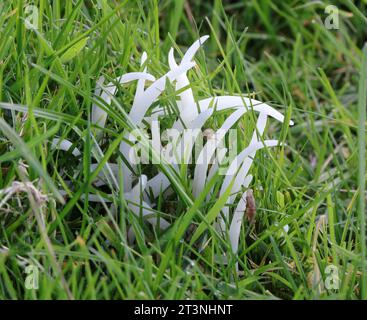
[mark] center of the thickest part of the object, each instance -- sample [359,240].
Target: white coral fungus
[193,114]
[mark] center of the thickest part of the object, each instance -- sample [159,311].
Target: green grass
[278,50]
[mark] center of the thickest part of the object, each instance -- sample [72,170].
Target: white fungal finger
[206,154]
[234,166]
[187,106]
[245,167]
[158,184]
[190,52]
[238,215]
[64,145]
[99,115]
[142,103]
[138,206]
[109,169]
[226,102]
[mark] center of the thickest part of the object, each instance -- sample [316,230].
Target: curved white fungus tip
[143,58]
[235,227]
[64,145]
[171,59]
[132,76]
[190,53]
[182,68]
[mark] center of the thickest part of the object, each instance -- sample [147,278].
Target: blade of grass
[27,154]
[362,167]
